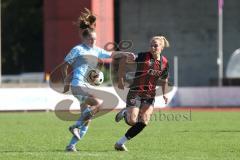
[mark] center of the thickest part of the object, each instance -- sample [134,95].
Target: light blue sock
[73,141]
[86,114]
[83,131]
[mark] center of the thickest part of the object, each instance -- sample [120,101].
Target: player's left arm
[67,66]
[164,82]
[164,89]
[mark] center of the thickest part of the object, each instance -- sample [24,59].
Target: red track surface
[202,109]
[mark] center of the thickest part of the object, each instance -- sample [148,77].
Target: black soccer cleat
[120,115]
[120,147]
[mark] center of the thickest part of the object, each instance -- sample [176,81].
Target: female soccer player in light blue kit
[83,58]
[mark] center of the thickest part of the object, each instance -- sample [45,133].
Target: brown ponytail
[86,20]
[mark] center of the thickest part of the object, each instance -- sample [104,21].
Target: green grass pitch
[179,135]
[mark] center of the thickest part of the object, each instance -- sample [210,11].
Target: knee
[131,120]
[99,102]
[144,119]
[94,102]
[96,107]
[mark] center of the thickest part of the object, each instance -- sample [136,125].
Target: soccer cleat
[75,132]
[120,147]
[119,116]
[71,148]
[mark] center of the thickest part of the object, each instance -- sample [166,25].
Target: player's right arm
[68,61]
[65,76]
[164,82]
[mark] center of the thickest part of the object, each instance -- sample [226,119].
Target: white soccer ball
[95,77]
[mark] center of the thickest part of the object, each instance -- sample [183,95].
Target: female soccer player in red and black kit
[152,68]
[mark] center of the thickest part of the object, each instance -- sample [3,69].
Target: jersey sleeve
[104,54]
[139,57]
[72,55]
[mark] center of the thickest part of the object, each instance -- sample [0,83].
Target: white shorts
[81,92]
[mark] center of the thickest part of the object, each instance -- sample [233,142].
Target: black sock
[134,130]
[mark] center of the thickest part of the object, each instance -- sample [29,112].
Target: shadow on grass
[216,131]
[31,151]
[55,151]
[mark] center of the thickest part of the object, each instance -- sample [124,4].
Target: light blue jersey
[82,59]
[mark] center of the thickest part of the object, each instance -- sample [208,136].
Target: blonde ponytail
[161,38]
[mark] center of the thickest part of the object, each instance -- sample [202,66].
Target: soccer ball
[95,77]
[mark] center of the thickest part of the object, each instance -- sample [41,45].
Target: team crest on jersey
[154,72]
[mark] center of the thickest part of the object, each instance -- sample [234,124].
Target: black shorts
[136,100]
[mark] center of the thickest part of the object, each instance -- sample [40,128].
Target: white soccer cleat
[119,116]
[120,147]
[75,132]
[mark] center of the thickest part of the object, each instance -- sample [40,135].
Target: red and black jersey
[145,81]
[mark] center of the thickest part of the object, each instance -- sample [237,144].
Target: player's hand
[121,84]
[66,88]
[165,99]
[130,57]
